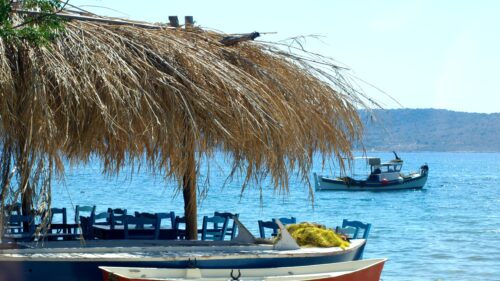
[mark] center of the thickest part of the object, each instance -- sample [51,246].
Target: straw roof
[124,93]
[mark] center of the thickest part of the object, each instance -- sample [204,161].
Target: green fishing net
[315,235]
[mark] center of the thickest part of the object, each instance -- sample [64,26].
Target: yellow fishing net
[315,235]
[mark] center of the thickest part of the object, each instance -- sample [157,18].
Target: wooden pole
[189,188]
[23,159]
[25,167]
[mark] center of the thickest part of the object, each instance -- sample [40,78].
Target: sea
[449,230]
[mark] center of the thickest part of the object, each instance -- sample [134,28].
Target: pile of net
[316,235]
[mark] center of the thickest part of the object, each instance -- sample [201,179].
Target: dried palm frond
[122,92]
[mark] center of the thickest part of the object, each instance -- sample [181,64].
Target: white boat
[366,270]
[382,177]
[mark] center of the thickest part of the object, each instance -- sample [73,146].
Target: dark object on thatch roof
[235,39]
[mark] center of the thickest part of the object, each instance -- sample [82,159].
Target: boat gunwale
[177,253]
[315,270]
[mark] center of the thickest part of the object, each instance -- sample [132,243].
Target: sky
[424,54]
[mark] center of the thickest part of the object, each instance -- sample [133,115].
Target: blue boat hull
[58,268]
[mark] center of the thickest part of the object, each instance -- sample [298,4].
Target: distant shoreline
[422,151]
[430,130]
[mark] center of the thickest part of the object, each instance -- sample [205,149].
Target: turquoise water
[450,230]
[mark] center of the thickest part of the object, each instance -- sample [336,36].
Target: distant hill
[431,130]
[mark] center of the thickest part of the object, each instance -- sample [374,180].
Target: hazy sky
[425,54]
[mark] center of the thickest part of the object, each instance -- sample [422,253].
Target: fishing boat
[382,177]
[77,261]
[366,270]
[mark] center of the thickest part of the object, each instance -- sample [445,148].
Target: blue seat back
[168,217]
[83,209]
[117,216]
[231,229]
[358,228]
[58,211]
[117,211]
[290,220]
[178,221]
[144,215]
[180,226]
[273,226]
[12,209]
[13,212]
[102,218]
[214,228]
[18,223]
[263,225]
[141,227]
[18,231]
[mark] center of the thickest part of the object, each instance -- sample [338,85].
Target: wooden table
[118,232]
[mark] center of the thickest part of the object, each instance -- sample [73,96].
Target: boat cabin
[388,171]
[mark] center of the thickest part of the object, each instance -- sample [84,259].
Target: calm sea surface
[450,230]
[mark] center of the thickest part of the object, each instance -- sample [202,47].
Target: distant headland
[430,130]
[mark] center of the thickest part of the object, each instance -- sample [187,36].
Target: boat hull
[366,270]
[325,183]
[81,264]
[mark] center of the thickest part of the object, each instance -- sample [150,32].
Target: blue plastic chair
[144,227]
[12,209]
[86,223]
[231,231]
[102,218]
[63,220]
[83,209]
[167,216]
[181,231]
[17,232]
[13,212]
[358,227]
[116,216]
[14,221]
[117,211]
[263,225]
[57,211]
[144,215]
[352,230]
[217,229]
[290,220]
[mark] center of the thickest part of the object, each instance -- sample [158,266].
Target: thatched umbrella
[167,95]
